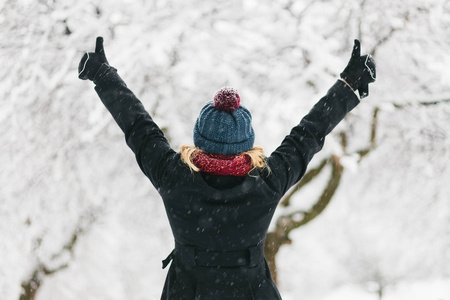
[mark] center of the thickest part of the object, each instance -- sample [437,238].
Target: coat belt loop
[186,253]
[256,253]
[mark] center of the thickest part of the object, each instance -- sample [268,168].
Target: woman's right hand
[360,71]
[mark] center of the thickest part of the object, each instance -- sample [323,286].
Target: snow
[65,165]
[427,289]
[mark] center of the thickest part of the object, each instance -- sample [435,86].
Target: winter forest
[371,218]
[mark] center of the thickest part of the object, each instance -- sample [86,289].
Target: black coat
[219,223]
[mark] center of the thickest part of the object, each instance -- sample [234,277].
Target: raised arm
[129,113]
[290,160]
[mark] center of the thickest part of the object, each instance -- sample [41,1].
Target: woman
[220,195]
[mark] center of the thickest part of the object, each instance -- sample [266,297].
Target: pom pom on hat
[224,126]
[227,99]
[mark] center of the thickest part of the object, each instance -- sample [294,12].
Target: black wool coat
[219,222]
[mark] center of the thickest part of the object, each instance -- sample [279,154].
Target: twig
[310,175]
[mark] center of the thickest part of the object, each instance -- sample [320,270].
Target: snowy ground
[429,290]
[426,290]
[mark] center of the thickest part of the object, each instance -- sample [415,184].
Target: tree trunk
[31,286]
[287,223]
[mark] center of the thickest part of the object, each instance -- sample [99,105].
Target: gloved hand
[91,62]
[360,71]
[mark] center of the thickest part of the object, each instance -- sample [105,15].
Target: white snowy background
[66,170]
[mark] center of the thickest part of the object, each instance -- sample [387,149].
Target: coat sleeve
[289,161]
[142,135]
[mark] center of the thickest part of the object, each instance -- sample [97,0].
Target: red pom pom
[227,99]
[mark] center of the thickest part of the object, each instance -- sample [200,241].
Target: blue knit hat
[224,126]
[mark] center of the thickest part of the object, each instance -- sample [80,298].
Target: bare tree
[62,258]
[285,224]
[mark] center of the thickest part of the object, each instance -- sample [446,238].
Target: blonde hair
[256,154]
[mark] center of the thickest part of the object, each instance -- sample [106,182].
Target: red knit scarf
[216,164]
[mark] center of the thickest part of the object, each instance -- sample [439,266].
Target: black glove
[92,61]
[360,71]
